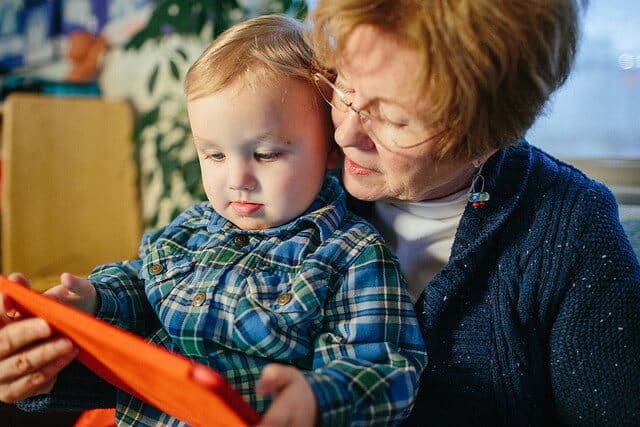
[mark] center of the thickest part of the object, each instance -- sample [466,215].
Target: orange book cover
[142,369]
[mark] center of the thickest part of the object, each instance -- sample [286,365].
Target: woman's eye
[396,125]
[268,156]
[391,119]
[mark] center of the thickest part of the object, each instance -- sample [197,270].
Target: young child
[273,268]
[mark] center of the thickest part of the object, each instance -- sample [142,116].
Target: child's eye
[268,156]
[216,157]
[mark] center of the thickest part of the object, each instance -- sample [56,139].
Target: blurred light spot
[173,10]
[626,61]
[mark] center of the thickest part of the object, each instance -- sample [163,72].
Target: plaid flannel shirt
[322,293]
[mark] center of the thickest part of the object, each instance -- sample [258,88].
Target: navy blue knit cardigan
[535,320]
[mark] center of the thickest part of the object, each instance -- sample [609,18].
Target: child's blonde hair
[260,51]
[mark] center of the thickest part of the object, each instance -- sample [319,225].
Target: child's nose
[242,178]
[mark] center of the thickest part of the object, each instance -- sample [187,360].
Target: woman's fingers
[17,335]
[28,366]
[19,278]
[35,359]
[30,359]
[8,312]
[35,383]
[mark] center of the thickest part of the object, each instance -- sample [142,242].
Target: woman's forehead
[376,66]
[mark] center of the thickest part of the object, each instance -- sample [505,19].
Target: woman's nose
[349,131]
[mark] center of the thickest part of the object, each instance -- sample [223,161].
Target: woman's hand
[30,356]
[75,291]
[294,403]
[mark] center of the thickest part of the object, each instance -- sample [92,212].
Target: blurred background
[133,50]
[597,112]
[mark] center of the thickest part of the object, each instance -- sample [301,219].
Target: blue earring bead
[479,198]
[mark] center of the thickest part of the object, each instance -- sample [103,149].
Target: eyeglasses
[380,130]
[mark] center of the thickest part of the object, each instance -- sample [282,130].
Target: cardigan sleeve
[595,339]
[77,388]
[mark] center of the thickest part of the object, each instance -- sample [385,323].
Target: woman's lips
[245,208]
[355,169]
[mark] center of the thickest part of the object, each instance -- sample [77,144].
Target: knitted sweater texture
[535,320]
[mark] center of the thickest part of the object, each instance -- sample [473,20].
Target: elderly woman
[527,288]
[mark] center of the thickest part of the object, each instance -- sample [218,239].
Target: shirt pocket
[277,316]
[165,275]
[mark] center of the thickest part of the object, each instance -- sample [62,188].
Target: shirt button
[284,298]
[155,269]
[241,240]
[198,300]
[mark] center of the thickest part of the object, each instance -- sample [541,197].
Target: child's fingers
[58,293]
[75,291]
[294,403]
[73,284]
[274,378]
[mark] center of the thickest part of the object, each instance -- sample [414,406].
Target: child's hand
[294,403]
[75,291]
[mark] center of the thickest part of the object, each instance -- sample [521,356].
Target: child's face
[263,153]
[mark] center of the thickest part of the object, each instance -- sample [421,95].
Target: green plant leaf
[182,54]
[300,9]
[151,84]
[174,70]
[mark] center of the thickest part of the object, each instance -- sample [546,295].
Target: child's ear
[334,157]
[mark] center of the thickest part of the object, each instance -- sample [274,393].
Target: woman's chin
[361,188]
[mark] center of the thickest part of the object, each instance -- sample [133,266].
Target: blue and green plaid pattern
[322,293]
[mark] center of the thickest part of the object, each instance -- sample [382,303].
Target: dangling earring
[478,198]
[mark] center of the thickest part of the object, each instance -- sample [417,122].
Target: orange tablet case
[142,369]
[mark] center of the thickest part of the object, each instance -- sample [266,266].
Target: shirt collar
[325,212]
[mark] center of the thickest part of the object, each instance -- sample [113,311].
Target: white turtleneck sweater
[421,235]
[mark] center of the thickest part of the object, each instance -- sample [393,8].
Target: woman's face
[379,75]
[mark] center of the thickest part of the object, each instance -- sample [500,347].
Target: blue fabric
[535,320]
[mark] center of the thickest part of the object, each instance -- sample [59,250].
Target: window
[596,114]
